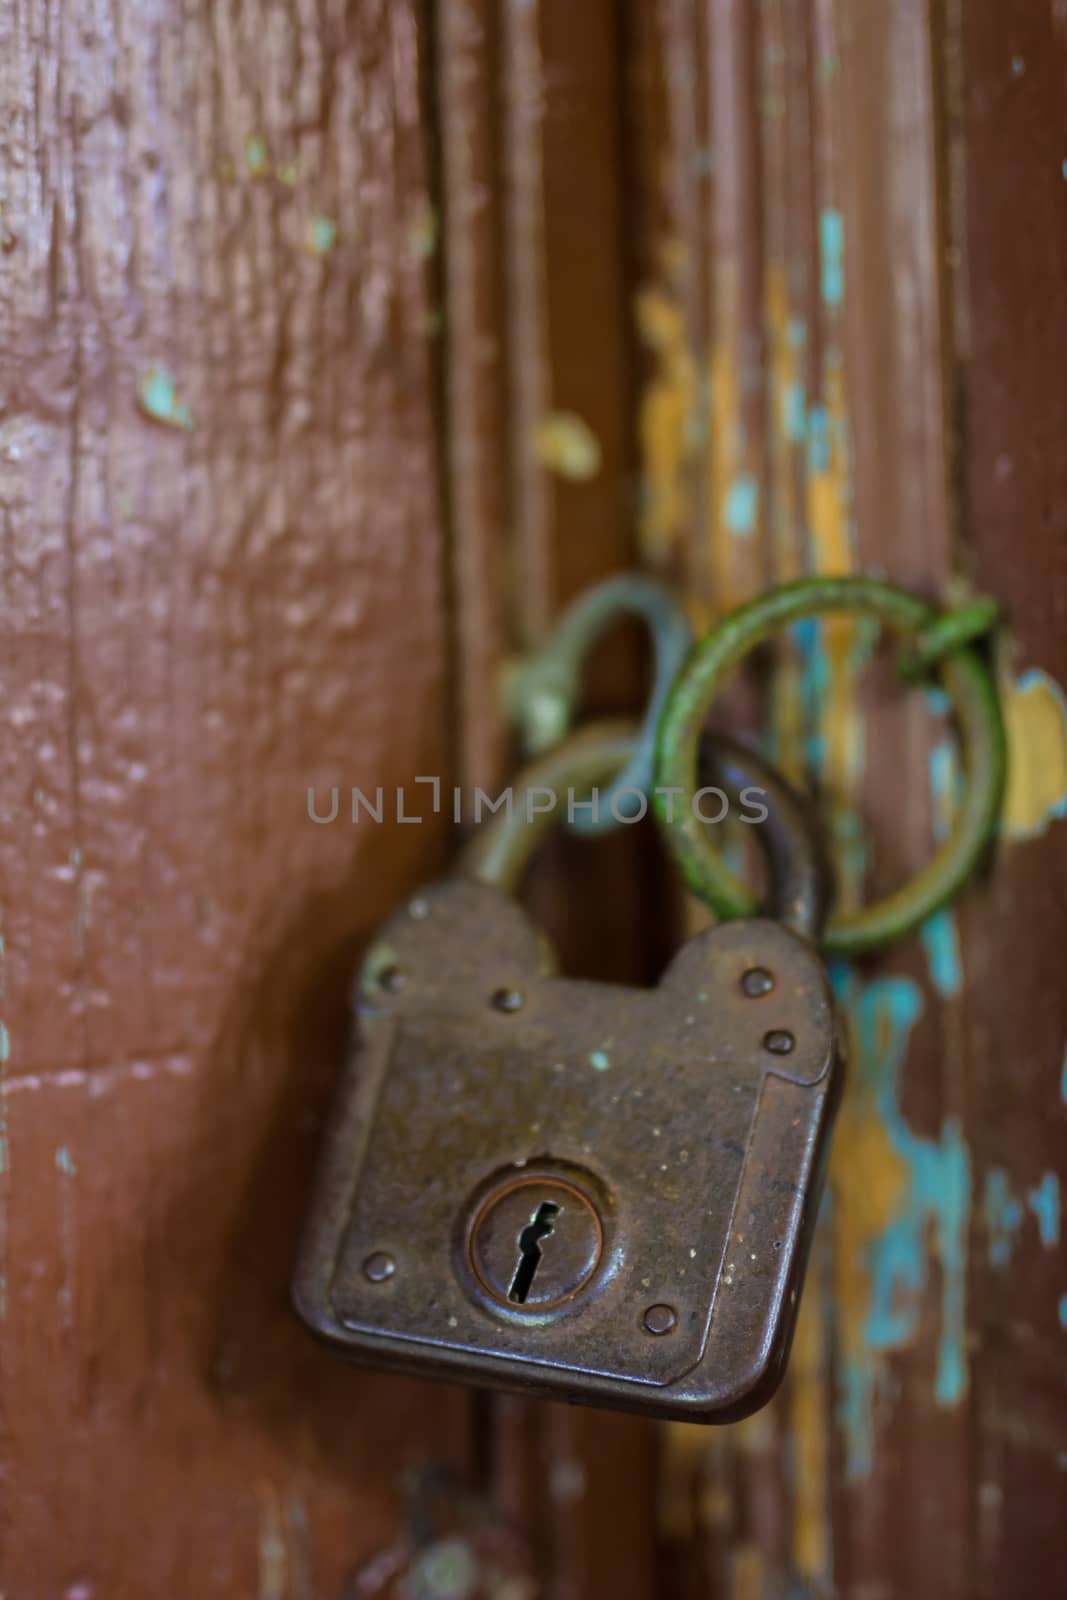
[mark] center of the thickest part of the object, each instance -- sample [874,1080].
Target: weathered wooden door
[340,345]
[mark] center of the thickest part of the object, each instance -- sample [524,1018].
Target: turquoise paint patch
[599,1060]
[5,1044]
[742,504]
[882,1016]
[256,156]
[832,256]
[818,439]
[941,943]
[322,235]
[793,412]
[814,683]
[1044,1202]
[1003,1217]
[944,785]
[64,1163]
[159,398]
[1063,1311]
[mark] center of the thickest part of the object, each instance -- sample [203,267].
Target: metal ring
[500,850]
[970,688]
[964,624]
[540,690]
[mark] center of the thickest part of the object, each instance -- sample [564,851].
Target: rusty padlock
[598,1193]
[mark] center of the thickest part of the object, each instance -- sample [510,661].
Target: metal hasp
[599,1193]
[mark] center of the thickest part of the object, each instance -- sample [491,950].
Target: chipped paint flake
[564,443]
[1044,1202]
[793,411]
[898,1198]
[668,421]
[257,157]
[159,399]
[832,256]
[941,943]
[736,454]
[1003,1215]
[320,236]
[741,506]
[1035,713]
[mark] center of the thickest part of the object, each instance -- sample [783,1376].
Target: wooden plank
[1011,250]
[222,578]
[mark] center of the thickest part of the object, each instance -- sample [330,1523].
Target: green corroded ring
[540,691]
[973,695]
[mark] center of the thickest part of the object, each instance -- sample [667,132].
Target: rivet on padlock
[595,1192]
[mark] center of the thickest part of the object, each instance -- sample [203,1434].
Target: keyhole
[539,1227]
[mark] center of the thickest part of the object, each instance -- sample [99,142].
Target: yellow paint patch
[564,443]
[829,499]
[868,1178]
[808,1429]
[1035,713]
[668,407]
[829,489]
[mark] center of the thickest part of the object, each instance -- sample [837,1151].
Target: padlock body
[601,1193]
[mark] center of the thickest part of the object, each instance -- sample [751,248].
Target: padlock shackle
[540,691]
[500,851]
[798,869]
